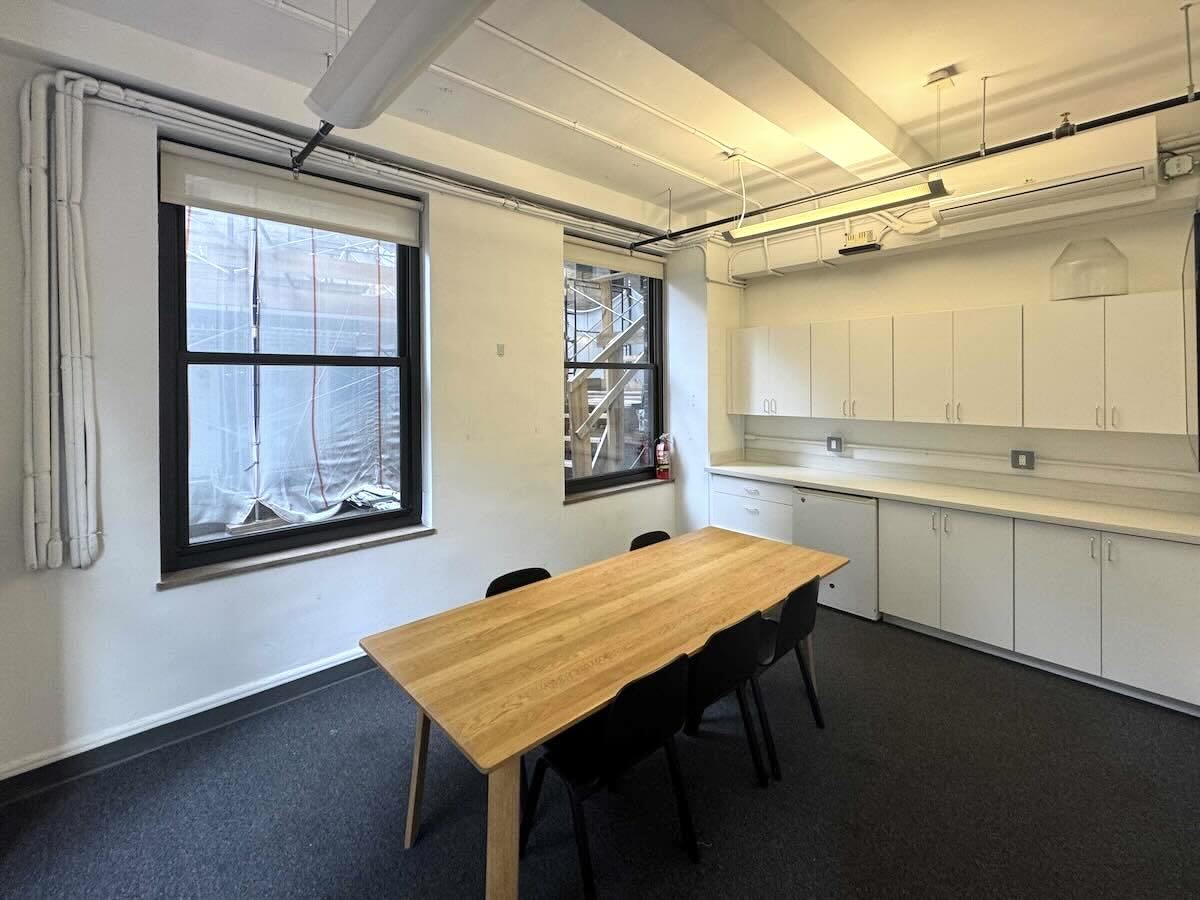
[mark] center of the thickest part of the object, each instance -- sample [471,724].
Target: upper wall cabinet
[1114,363]
[987,366]
[769,371]
[852,369]
[924,367]
[1144,363]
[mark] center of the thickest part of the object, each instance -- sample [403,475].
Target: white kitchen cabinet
[762,518]
[923,367]
[1064,364]
[789,366]
[909,561]
[977,576]
[987,366]
[1144,363]
[749,350]
[871,368]
[1056,594]
[831,369]
[1151,603]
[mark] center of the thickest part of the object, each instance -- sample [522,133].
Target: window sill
[281,558]
[616,489]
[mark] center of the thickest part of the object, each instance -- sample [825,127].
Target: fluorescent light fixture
[927,190]
[390,48]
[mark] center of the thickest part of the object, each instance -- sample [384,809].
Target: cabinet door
[1143,353]
[1064,364]
[790,363]
[908,561]
[748,371]
[1152,615]
[871,368]
[830,369]
[924,367]
[987,366]
[761,518]
[1056,594]
[977,576]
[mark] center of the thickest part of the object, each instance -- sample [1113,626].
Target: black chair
[644,717]
[725,665]
[510,581]
[793,630]
[650,537]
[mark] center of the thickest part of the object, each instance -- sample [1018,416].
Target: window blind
[590,253]
[189,176]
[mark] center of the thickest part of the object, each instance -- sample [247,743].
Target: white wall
[1007,271]
[91,656]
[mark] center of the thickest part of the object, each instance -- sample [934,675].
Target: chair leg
[581,844]
[810,684]
[751,738]
[691,725]
[768,737]
[529,809]
[681,800]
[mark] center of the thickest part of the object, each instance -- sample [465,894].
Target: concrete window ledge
[283,557]
[617,489]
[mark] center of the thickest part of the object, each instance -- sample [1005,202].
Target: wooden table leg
[503,829]
[417,786]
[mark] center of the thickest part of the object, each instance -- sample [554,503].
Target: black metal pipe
[313,143]
[928,167]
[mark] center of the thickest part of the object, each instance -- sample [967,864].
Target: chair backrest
[650,537]
[728,659]
[510,581]
[644,714]
[798,618]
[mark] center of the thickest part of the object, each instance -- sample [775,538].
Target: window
[290,399]
[612,331]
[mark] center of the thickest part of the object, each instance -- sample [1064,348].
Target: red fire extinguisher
[662,458]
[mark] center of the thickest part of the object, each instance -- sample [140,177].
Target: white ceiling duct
[394,43]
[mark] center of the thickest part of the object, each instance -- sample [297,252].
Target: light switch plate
[1022,459]
[833,444]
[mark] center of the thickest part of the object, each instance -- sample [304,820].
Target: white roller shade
[193,177]
[590,253]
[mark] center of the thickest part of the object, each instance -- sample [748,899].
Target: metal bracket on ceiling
[314,142]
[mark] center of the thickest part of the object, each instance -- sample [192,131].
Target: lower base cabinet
[1151,600]
[1057,594]
[909,561]
[751,515]
[977,577]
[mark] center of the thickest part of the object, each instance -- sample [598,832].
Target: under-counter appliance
[847,525]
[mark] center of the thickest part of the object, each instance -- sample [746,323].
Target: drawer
[751,515]
[755,490]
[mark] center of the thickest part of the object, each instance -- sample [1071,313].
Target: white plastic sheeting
[60,409]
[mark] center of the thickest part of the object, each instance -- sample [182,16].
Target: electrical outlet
[833,444]
[1022,459]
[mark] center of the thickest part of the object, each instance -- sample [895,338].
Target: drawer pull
[753,510]
[753,491]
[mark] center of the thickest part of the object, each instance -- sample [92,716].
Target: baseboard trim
[38,773]
[1094,680]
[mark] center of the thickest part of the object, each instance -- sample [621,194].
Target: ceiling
[650,122]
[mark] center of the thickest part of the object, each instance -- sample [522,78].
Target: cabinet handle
[1099,418]
[958,411]
[753,510]
[843,408]
[774,406]
[946,522]
[853,406]
[1114,418]
[766,408]
[1092,547]
[933,521]
[1108,550]
[948,411]
[753,491]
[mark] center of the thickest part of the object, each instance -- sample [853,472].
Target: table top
[502,675]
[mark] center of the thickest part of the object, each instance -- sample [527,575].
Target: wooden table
[502,675]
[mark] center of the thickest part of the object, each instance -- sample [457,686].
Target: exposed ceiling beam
[750,52]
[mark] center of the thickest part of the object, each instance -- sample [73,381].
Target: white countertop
[1152,523]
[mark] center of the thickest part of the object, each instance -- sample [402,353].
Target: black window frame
[176,550]
[654,346]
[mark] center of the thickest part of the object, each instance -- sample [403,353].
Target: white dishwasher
[847,525]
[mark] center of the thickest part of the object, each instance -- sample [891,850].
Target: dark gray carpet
[943,773]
